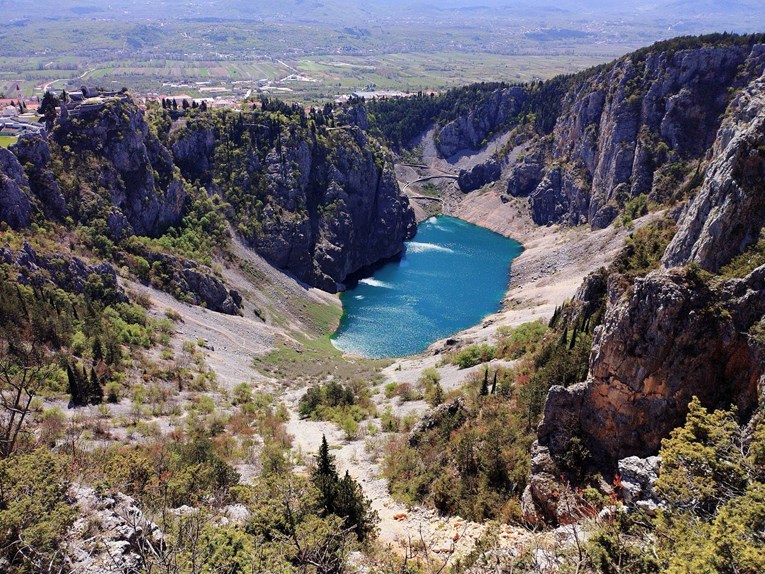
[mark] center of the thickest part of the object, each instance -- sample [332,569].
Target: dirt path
[400,526]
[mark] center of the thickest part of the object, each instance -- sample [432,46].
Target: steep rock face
[527,173]
[339,210]
[33,153]
[729,211]
[667,339]
[193,153]
[470,130]
[328,203]
[115,138]
[639,126]
[673,335]
[15,206]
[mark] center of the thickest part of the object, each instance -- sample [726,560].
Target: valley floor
[547,273]
[245,348]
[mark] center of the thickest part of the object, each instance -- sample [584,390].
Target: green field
[5,141]
[174,56]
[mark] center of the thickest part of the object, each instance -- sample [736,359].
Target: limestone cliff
[667,339]
[678,332]
[640,126]
[15,204]
[727,214]
[122,171]
[321,203]
[470,130]
[643,124]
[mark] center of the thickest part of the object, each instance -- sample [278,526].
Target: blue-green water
[450,276]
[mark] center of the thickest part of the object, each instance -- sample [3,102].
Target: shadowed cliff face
[355,214]
[15,204]
[328,203]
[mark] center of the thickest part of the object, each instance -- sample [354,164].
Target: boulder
[479,175]
[637,478]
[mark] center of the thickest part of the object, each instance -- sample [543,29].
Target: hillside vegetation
[627,428]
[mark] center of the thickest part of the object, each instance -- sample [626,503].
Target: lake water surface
[451,275]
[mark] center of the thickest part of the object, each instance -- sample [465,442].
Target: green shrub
[35,511]
[473,355]
[514,343]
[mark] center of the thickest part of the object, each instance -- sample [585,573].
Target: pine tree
[485,385]
[343,498]
[325,478]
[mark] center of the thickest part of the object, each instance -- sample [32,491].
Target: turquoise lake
[450,276]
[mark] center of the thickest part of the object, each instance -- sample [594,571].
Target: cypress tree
[98,349]
[95,392]
[564,336]
[573,337]
[21,300]
[73,386]
[485,385]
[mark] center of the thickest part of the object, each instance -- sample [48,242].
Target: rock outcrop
[129,172]
[469,131]
[69,273]
[675,334]
[640,126]
[34,154]
[111,534]
[667,339]
[15,205]
[637,481]
[196,283]
[728,213]
[479,175]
